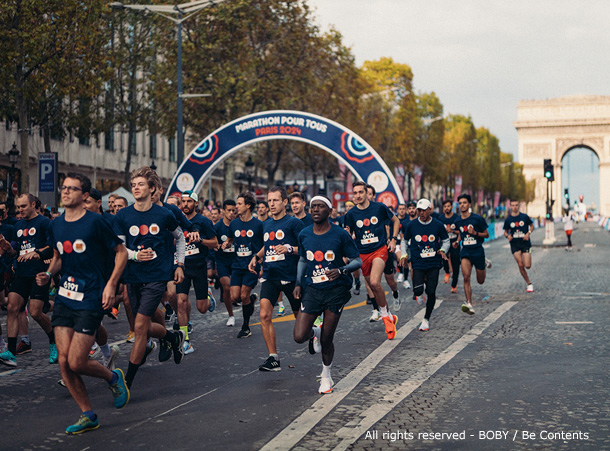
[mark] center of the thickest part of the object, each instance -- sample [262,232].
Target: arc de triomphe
[549,129]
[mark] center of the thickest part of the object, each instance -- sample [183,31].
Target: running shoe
[61,382]
[114,313]
[400,278]
[487,262]
[119,389]
[244,333]
[188,348]
[178,346]
[212,306]
[83,424]
[454,290]
[326,386]
[390,326]
[271,364]
[53,357]
[281,310]
[397,304]
[406,284]
[189,328]
[231,321]
[53,292]
[130,337]
[395,294]
[114,353]
[375,316]
[253,297]
[425,325]
[467,308]
[529,289]
[95,352]
[165,350]
[319,320]
[24,348]
[169,311]
[446,279]
[176,325]
[357,288]
[7,358]
[315,347]
[421,300]
[150,347]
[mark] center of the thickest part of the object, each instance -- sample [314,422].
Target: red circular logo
[319,256]
[367,222]
[243,233]
[25,232]
[272,235]
[424,238]
[67,247]
[143,229]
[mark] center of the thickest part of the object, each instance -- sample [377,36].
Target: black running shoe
[395,294]
[168,312]
[270,365]
[178,346]
[165,350]
[244,333]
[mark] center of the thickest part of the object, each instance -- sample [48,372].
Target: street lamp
[13,156]
[153,166]
[189,9]
[249,171]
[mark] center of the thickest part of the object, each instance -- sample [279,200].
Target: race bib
[71,288]
[320,279]
[26,251]
[191,249]
[370,240]
[469,241]
[229,249]
[244,253]
[452,236]
[518,234]
[427,253]
[275,258]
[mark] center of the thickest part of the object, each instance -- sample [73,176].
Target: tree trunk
[229,171]
[23,134]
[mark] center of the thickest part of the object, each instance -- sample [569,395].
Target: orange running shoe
[446,280]
[454,290]
[390,326]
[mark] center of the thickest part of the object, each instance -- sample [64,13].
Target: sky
[481,57]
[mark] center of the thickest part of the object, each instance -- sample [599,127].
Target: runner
[225,257]
[279,257]
[452,265]
[148,231]
[518,228]
[472,231]
[367,222]
[32,244]
[246,234]
[323,284]
[6,271]
[195,266]
[262,210]
[428,245]
[410,216]
[356,274]
[297,205]
[84,243]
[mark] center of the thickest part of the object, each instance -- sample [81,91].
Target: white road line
[296,430]
[377,411]
[573,322]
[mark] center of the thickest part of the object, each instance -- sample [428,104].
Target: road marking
[296,430]
[301,426]
[590,245]
[290,317]
[8,373]
[377,411]
[574,322]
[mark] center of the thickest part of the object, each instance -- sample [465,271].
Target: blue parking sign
[47,172]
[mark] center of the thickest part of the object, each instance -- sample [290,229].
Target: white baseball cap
[423,204]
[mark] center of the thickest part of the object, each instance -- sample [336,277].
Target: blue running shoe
[83,424]
[119,389]
[212,302]
[53,358]
[8,358]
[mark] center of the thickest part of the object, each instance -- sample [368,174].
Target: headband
[323,199]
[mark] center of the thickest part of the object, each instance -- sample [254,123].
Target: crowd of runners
[71,272]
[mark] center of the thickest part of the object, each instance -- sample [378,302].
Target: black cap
[95,194]
[411,203]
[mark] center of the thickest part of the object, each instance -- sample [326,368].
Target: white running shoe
[424,325]
[375,316]
[401,278]
[231,321]
[188,348]
[114,353]
[406,284]
[530,288]
[487,262]
[421,300]
[326,386]
[467,308]
[397,303]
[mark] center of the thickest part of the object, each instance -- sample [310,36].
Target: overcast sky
[482,56]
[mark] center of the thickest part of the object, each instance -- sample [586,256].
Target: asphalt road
[528,370]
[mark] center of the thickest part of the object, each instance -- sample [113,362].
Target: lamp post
[187,10]
[249,171]
[153,166]
[13,156]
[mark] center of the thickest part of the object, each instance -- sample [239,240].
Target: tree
[459,152]
[429,135]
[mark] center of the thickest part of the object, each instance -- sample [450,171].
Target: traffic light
[548,170]
[566,194]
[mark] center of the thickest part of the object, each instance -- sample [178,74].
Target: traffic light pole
[549,228]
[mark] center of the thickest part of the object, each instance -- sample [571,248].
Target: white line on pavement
[296,430]
[573,322]
[377,411]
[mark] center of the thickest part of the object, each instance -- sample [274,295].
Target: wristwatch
[343,271]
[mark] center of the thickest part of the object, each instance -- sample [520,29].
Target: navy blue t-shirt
[307,220]
[368,226]
[424,241]
[86,247]
[184,223]
[282,231]
[336,221]
[196,253]
[517,226]
[31,235]
[450,222]
[8,232]
[148,229]
[471,242]
[326,252]
[224,256]
[247,239]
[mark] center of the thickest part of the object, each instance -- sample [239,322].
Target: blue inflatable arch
[318,131]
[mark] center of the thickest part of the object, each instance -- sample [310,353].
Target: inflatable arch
[318,131]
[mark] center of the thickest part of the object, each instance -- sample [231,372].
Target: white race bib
[373,239]
[275,258]
[320,279]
